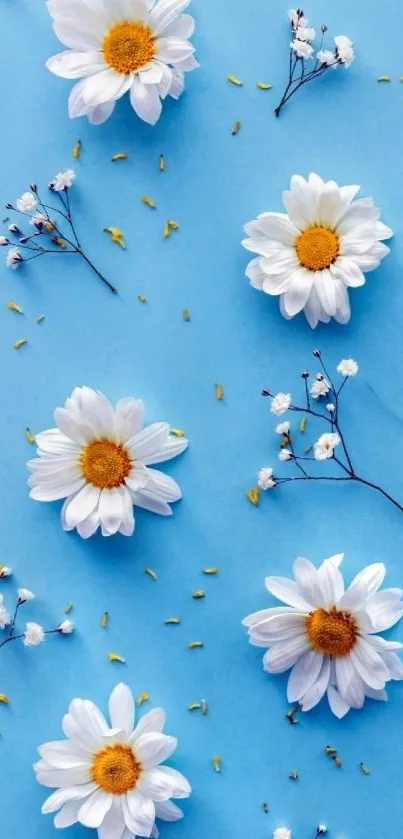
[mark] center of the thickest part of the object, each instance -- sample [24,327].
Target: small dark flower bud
[33,188]
[14,229]
[24,240]
[305,374]
[319,377]
[323,28]
[265,392]
[317,353]
[9,206]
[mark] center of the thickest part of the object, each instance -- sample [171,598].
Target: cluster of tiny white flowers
[62,181]
[283,428]
[285,454]
[5,619]
[280,403]
[324,447]
[282,833]
[304,37]
[265,478]
[348,367]
[33,633]
[320,387]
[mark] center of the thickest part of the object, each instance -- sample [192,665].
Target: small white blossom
[331,408]
[283,428]
[265,478]
[345,50]
[321,830]
[38,220]
[62,181]
[302,49]
[325,446]
[25,594]
[282,833]
[348,367]
[27,203]
[34,634]
[285,454]
[5,571]
[296,18]
[305,33]
[13,228]
[66,627]
[5,619]
[320,387]
[327,57]
[13,258]
[280,403]
[4,241]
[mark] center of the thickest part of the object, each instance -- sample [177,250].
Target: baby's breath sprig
[302,52]
[33,633]
[322,392]
[54,229]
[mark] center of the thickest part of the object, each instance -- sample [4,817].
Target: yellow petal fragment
[212,570]
[116,236]
[198,595]
[116,657]
[236,128]
[149,202]
[104,620]
[29,436]
[177,432]
[40,319]
[219,392]
[302,425]
[216,761]
[384,79]
[121,155]
[69,608]
[174,621]
[186,315]
[20,343]
[233,80]
[150,573]
[57,240]
[142,697]
[4,699]
[142,298]
[169,225]
[14,307]
[264,86]
[253,495]
[204,708]
[196,706]
[161,163]
[195,645]
[76,151]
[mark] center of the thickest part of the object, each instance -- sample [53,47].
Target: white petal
[263,614]
[381,645]
[68,815]
[177,85]
[121,708]
[95,808]
[155,785]
[151,74]
[99,114]
[337,704]
[354,598]
[145,101]
[369,665]
[166,451]
[76,35]
[254,272]
[103,87]
[303,675]
[128,522]
[89,526]
[326,289]
[297,294]
[152,721]
[61,796]
[111,509]
[49,493]
[179,784]
[308,581]
[164,486]
[287,591]
[347,271]
[278,226]
[89,717]
[172,49]
[332,582]
[148,441]
[153,748]
[55,443]
[50,777]
[61,754]
[81,505]
[394,665]
[113,824]
[183,27]
[372,576]
[165,12]
[150,501]
[384,609]
[283,655]
[315,693]
[75,65]
[139,813]
[168,811]
[69,426]
[349,682]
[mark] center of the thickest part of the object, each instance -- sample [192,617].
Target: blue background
[346,127]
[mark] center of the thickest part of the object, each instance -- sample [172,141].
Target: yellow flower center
[331,633]
[105,464]
[317,247]
[115,769]
[128,46]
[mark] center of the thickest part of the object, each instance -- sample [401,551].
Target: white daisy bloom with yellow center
[98,459]
[109,777]
[328,635]
[120,46]
[310,256]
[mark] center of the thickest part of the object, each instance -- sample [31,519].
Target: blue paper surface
[346,127]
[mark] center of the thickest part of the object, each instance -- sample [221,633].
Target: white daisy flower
[280,403]
[283,428]
[135,46]
[265,478]
[98,459]
[34,634]
[344,50]
[328,635]
[62,181]
[13,258]
[324,447]
[109,777]
[320,387]
[27,203]
[348,367]
[310,256]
